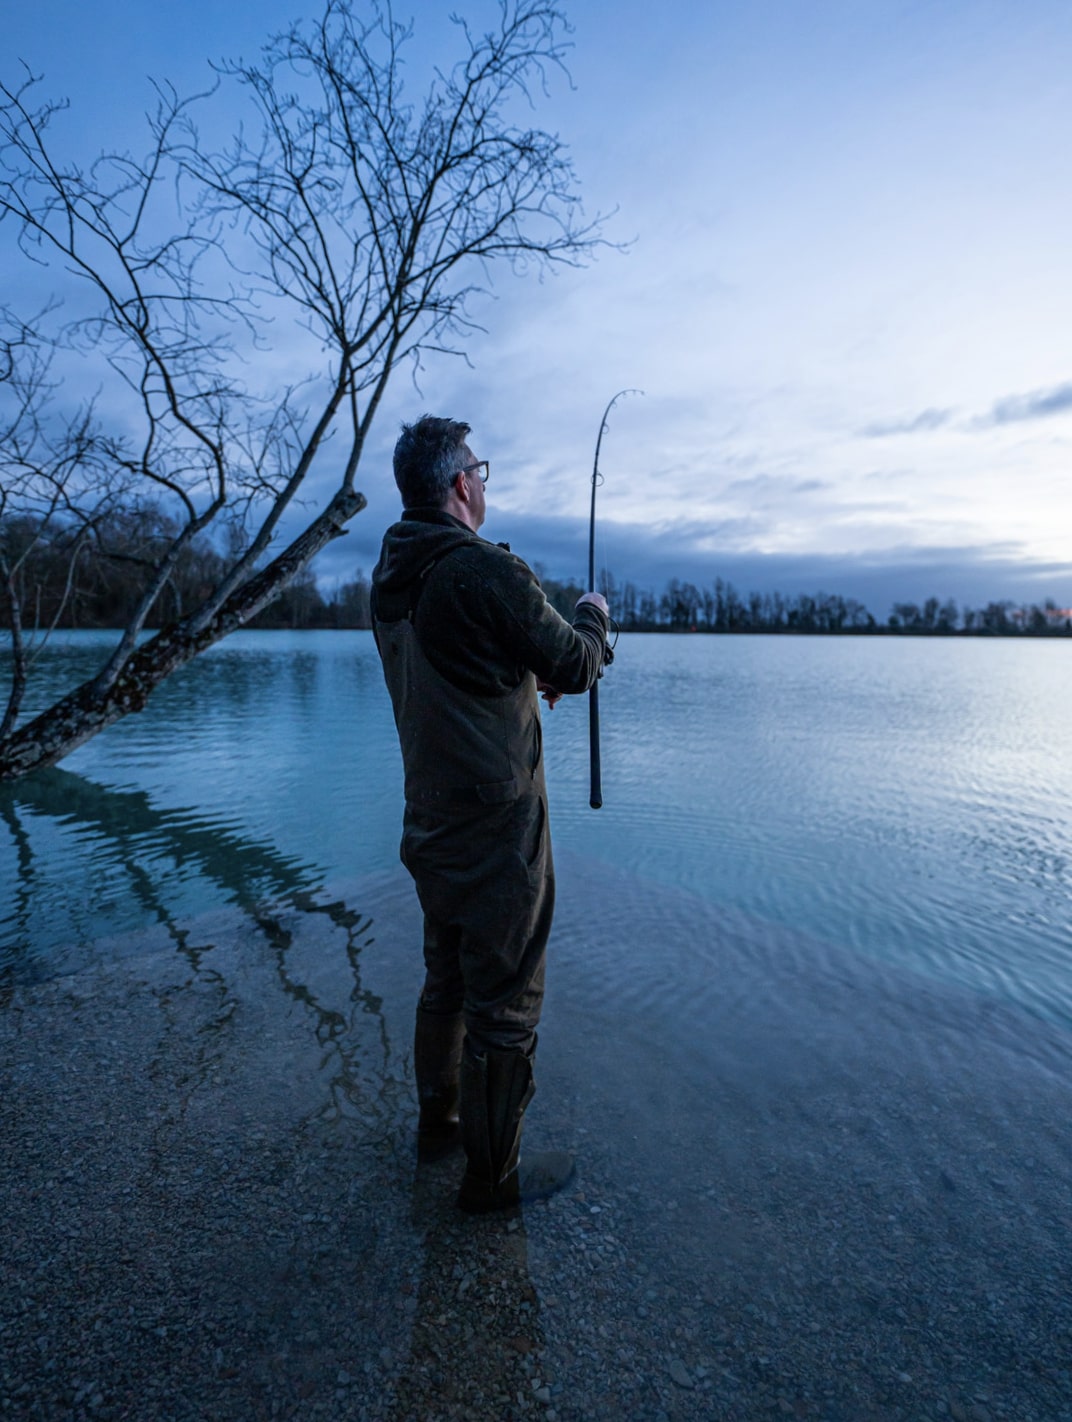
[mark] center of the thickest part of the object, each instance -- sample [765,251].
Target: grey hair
[427,457]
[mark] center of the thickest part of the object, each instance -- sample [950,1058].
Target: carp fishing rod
[595,798]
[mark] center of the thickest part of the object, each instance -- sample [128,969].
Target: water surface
[807,1032]
[904,800]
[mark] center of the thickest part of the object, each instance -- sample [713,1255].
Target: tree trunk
[79,716]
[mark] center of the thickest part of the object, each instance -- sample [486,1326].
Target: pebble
[679,1373]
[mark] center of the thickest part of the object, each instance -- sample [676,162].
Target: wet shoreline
[807,1187]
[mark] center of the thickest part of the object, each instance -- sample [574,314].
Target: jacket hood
[421,537]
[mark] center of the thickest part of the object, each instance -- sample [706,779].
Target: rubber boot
[495,1090]
[437,1055]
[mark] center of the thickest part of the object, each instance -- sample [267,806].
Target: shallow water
[906,800]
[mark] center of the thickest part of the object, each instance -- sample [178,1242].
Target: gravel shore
[212,1209]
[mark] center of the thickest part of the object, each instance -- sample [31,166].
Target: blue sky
[846,294]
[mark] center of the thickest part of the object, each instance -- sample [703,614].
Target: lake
[808,1032]
[900,800]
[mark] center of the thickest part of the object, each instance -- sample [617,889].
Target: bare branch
[344,216]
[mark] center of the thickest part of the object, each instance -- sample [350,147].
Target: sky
[844,289]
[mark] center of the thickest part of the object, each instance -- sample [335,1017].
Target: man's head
[435,468]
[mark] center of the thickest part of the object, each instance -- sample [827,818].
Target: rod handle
[595,798]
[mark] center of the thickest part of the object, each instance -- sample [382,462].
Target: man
[467,638]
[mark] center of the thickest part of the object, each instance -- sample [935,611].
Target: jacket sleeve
[568,656]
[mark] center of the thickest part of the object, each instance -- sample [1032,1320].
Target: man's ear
[461,487]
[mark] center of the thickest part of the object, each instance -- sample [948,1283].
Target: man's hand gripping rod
[595,798]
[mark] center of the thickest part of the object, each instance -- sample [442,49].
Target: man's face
[475,484]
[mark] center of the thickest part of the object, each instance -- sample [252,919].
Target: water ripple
[904,800]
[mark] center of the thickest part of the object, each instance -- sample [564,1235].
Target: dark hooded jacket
[464,629]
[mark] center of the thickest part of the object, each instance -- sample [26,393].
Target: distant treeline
[96,582]
[684,607]
[94,577]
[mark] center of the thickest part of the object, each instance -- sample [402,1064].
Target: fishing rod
[595,798]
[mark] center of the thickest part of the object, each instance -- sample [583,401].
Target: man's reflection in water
[476,1340]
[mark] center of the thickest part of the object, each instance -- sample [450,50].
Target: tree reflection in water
[275,893]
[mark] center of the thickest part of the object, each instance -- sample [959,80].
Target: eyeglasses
[481,467]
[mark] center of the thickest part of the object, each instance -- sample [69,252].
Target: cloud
[929,419]
[1009,410]
[1035,405]
[700,550]
[776,485]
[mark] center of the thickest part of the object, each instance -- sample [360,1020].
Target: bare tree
[44,528]
[364,220]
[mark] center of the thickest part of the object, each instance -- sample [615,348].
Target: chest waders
[476,842]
